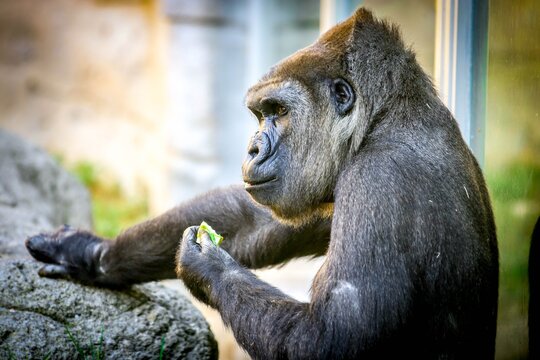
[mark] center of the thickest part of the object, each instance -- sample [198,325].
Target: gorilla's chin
[273,195]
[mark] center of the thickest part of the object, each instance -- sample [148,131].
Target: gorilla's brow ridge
[278,90]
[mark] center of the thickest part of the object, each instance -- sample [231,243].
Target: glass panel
[416,19]
[278,28]
[513,157]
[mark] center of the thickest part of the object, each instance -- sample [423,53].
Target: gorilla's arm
[362,290]
[147,251]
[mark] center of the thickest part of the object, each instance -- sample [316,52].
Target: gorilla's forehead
[310,64]
[297,76]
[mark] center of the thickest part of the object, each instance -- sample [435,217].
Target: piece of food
[214,236]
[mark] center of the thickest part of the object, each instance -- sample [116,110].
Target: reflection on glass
[513,157]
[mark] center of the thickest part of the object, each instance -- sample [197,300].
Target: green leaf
[214,236]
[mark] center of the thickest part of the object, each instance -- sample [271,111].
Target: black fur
[371,171]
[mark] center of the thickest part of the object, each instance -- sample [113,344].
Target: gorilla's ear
[343,95]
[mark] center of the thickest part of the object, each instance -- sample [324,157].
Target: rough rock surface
[37,313]
[58,319]
[36,195]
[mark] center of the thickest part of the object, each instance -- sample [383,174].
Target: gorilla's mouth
[258,183]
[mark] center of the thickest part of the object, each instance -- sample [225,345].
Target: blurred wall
[85,80]
[208,126]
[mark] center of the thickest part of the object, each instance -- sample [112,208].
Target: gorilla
[355,158]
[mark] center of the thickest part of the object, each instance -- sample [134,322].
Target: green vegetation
[515,193]
[112,209]
[214,236]
[162,348]
[92,351]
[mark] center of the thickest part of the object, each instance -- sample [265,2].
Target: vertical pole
[461,65]
[206,66]
[480,26]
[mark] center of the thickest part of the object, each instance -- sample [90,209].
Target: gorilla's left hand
[201,265]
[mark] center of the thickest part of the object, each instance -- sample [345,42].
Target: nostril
[253,150]
[259,148]
[253,146]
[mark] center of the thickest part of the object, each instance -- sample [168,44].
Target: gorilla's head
[315,109]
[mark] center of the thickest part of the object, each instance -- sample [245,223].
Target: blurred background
[143,101]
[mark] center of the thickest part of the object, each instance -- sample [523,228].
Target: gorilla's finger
[53,271]
[42,248]
[189,241]
[190,233]
[206,243]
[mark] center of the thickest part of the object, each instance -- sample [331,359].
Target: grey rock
[57,319]
[37,313]
[36,195]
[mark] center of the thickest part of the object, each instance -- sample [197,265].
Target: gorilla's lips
[258,183]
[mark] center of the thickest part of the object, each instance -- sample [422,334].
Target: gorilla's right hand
[68,253]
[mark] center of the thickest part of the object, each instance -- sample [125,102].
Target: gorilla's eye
[271,108]
[281,110]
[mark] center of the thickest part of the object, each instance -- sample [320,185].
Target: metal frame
[461,65]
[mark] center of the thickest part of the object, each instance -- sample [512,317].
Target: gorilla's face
[268,170]
[294,158]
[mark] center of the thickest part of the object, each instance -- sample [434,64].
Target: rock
[58,319]
[36,195]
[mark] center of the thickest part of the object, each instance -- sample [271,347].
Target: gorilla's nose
[258,148]
[253,149]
